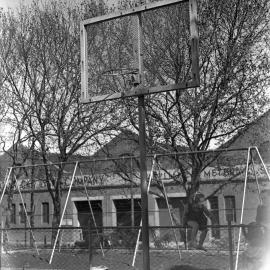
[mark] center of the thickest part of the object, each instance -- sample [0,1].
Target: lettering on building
[110,179]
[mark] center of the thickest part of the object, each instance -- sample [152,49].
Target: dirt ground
[115,260]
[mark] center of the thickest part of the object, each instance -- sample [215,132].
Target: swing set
[155,164]
[250,160]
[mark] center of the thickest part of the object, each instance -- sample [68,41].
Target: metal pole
[230,243]
[92,213]
[144,197]
[64,210]
[25,233]
[135,156]
[1,238]
[265,169]
[242,210]
[5,185]
[90,244]
[170,214]
[256,178]
[131,194]
[143,166]
[139,232]
[27,220]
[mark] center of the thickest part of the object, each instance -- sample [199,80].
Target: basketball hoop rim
[120,71]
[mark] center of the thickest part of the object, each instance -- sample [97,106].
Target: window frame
[13,214]
[45,215]
[215,212]
[232,210]
[22,214]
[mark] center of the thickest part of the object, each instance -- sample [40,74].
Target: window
[84,213]
[13,214]
[125,216]
[177,204]
[230,210]
[22,214]
[213,201]
[45,213]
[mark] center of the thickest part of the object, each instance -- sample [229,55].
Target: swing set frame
[154,164]
[249,158]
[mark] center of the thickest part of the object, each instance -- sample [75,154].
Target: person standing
[195,217]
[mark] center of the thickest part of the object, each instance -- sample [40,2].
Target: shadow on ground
[189,267]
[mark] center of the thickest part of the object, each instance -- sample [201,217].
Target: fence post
[25,233]
[186,237]
[90,244]
[230,243]
[1,239]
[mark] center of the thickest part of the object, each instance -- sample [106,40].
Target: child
[196,217]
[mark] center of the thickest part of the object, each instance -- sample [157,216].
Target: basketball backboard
[147,49]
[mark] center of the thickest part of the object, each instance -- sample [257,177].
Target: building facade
[115,193]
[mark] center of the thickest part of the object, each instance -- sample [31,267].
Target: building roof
[242,131]
[256,134]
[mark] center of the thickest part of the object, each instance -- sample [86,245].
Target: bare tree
[43,79]
[234,64]
[234,72]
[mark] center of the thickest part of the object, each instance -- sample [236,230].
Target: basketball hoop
[129,77]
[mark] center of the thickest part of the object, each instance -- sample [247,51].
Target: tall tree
[234,73]
[43,82]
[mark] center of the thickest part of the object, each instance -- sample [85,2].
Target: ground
[115,260]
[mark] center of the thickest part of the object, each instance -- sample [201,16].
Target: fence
[115,248]
[108,192]
[121,218]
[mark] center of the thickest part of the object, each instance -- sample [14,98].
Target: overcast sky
[14,3]
[9,3]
